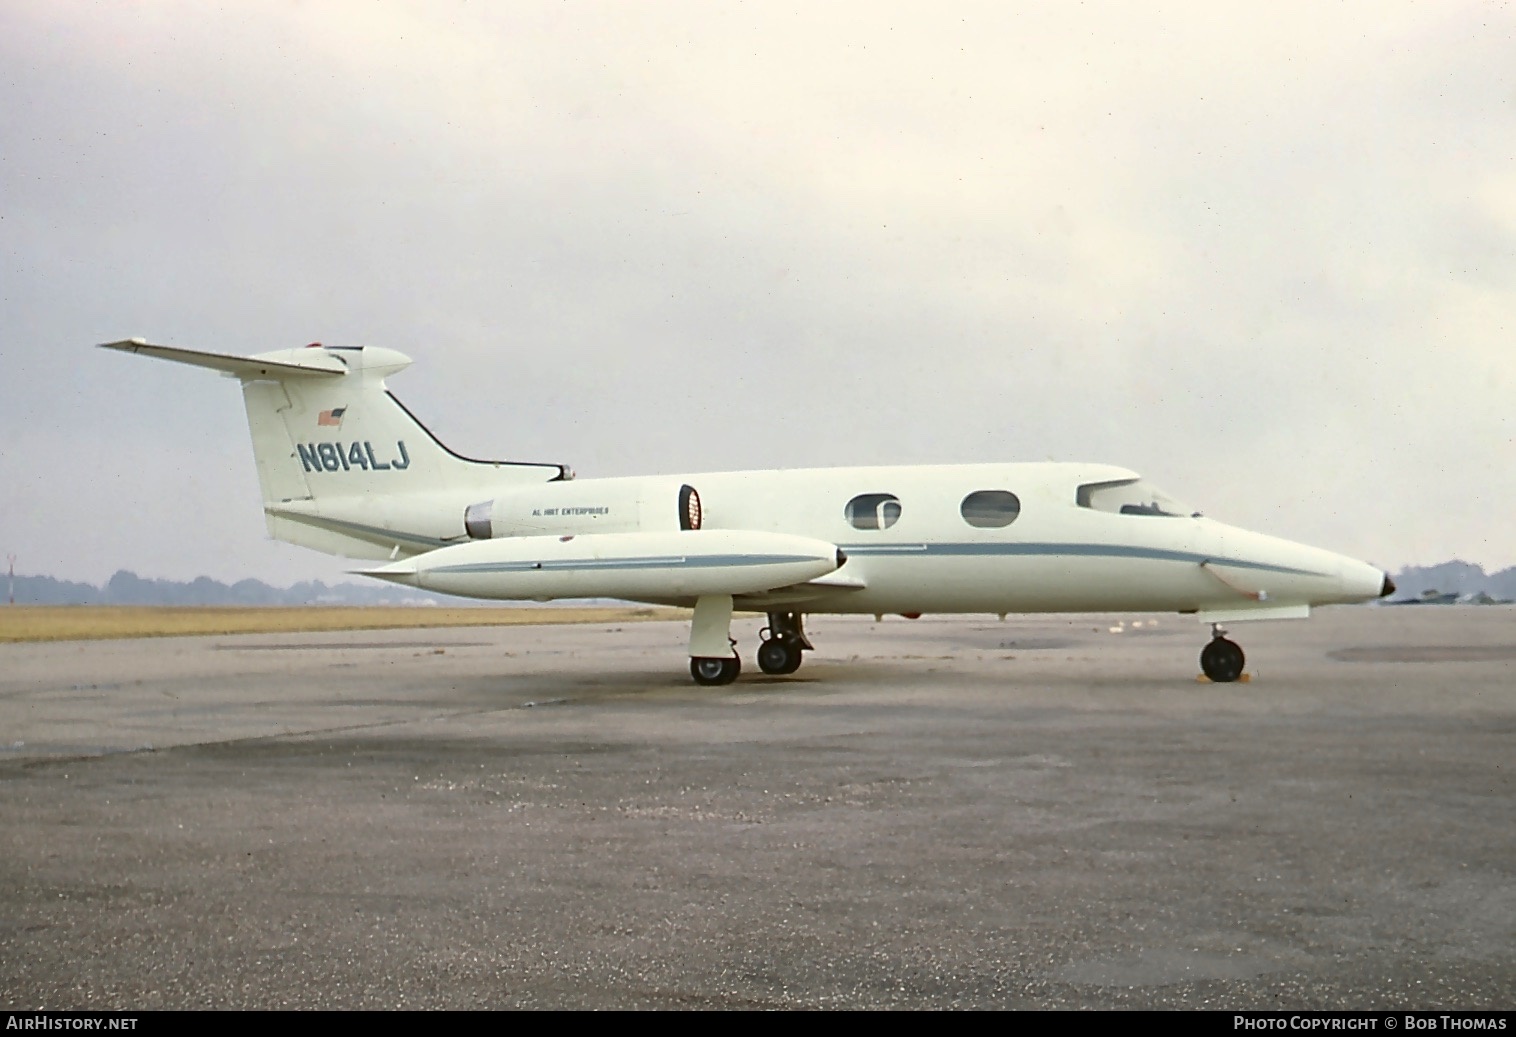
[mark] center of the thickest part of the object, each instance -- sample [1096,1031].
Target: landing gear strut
[713,660]
[1222,660]
[783,641]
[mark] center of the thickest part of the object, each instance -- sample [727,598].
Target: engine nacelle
[595,506]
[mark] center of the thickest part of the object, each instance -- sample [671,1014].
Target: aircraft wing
[320,364]
[819,589]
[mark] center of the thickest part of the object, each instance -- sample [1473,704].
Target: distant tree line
[127,588]
[1461,578]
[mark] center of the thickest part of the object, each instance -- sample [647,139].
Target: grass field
[90,622]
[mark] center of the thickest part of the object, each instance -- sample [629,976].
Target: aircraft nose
[1388,587]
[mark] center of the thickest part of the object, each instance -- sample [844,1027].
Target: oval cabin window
[990,509]
[873,511]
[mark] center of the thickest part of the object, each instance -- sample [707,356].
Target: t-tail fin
[344,467]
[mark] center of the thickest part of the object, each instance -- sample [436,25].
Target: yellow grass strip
[91,622]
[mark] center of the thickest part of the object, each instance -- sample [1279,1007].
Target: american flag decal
[331,417]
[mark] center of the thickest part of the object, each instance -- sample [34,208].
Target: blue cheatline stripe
[1066,550]
[602,564]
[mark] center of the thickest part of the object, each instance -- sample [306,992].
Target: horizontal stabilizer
[320,364]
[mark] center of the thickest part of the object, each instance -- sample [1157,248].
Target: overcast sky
[1264,254]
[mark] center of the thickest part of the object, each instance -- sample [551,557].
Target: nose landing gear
[1222,660]
[783,641]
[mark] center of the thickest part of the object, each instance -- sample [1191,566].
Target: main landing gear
[713,658]
[1221,660]
[782,642]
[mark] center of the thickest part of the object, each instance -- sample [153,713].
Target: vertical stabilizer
[343,466]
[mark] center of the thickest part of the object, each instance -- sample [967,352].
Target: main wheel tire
[779,656]
[714,672]
[796,657]
[1222,660]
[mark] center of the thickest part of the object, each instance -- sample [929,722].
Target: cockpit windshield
[1132,497]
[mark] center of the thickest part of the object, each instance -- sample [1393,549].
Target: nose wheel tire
[1222,660]
[714,672]
[779,656]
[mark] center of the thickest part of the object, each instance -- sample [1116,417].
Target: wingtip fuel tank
[637,566]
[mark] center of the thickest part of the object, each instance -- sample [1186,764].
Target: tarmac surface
[952,812]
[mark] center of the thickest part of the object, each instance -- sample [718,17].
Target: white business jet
[346,469]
